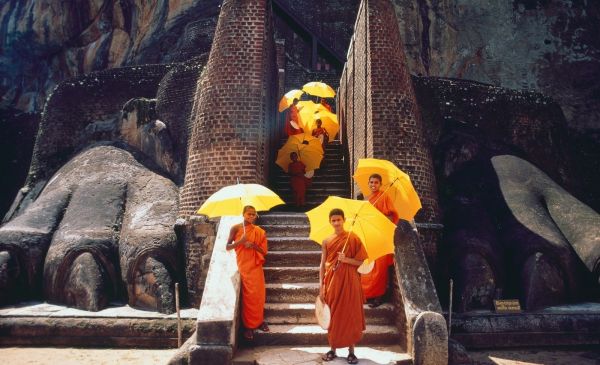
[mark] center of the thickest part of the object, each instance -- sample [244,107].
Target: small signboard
[507,306]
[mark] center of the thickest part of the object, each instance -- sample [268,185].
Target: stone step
[304,313]
[295,230]
[291,243]
[291,274]
[316,183]
[302,335]
[293,258]
[292,292]
[282,219]
[277,355]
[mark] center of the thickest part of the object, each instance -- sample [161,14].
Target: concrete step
[291,274]
[277,355]
[304,313]
[303,335]
[282,219]
[293,258]
[292,292]
[291,243]
[295,230]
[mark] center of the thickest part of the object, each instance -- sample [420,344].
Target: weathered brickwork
[234,105]
[85,110]
[379,108]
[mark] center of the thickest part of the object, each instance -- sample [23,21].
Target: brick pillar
[397,128]
[233,106]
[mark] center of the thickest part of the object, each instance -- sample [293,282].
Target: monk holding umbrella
[346,243]
[389,190]
[249,242]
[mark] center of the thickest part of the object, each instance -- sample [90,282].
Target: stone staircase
[292,277]
[331,179]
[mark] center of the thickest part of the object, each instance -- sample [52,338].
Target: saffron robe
[298,182]
[293,116]
[343,292]
[250,264]
[375,283]
[321,134]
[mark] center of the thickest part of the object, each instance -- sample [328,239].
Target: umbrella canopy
[307,110]
[372,227]
[230,200]
[320,89]
[308,148]
[395,182]
[287,99]
[329,121]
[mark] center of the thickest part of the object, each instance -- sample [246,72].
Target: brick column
[234,105]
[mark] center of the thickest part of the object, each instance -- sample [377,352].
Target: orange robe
[298,182]
[293,115]
[321,132]
[343,292]
[326,105]
[250,264]
[375,283]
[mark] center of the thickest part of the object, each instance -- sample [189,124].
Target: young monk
[292,121]
[298,181]
[340,287]
[250,244]
[375,283]
[321,133]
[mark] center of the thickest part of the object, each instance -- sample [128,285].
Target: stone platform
[280,355]
[43,324]
[565,325]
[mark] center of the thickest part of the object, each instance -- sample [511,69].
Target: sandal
[375,302]
[352,359]
[249,334]
[264,327]
[329,356]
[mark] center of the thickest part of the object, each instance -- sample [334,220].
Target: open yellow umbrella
[320,89]
[308,148]
[395,182]
[287,99]
[373,228]
[230,200]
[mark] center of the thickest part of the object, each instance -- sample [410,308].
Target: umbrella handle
[345,243]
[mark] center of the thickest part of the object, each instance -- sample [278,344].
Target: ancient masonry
[378,106]
[234,105]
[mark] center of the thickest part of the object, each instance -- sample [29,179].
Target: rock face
[547,46]
[46,42]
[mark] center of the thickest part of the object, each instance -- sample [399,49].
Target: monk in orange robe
[321,133]
[375,283]
[342,253]
[292,121]
[298,181]
[250,244]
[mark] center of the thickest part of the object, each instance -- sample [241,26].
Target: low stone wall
[423,322]
[216,328]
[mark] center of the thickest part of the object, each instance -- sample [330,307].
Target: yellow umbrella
[320,89]
[230,200]
[395,182]
[308,148]
[287,99]
[306,111]
[372,227]
[329,121]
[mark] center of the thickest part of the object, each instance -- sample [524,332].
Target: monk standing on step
[250,244]
[298,181]
[342,253]
[375,283]
[292,120]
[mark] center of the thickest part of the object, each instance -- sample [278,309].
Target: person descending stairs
[292,283]
[330,179]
